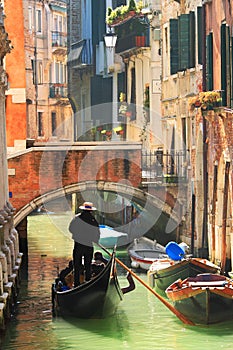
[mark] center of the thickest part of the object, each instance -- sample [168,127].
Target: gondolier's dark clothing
[85,231]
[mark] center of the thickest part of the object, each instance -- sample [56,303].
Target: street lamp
[110,40]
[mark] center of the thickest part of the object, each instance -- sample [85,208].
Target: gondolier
[85,231]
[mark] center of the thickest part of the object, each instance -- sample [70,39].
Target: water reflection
[141,321]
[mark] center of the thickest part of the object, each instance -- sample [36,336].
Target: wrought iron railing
[170,167]
[131,41]
[59,39]
[58,91]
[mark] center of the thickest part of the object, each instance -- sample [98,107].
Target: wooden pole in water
[224,217]
[214,200]
[183,318]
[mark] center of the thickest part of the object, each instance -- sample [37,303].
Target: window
[55,24]
[186,41]
[40,124]
[182,42]
[40,72]
[30,18]
[133,95]
[57,71]
[61,78]
[174,52]
[184,136]
[38,21]
[200,33]
[209,62]
[225,64]
[64,24]
[146,103]
[54,123]
[60,24]
[37,67]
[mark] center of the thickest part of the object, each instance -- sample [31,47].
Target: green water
[141,322]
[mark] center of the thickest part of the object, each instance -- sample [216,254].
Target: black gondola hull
[97,298]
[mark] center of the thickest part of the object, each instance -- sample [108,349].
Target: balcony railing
[58,91]
[169,167]
[59,39]
[80,54]
[132,41]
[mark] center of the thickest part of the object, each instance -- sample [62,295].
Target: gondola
[97,298]
[204,299]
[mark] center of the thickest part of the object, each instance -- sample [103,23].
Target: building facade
[10,258]
[197,118]
[37,106]
[134,89]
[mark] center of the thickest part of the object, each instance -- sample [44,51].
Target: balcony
[132,34]
[59,42]
[132,41]
[58,91]
[80,55]
[166,167]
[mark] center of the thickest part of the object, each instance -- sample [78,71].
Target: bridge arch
[155,212]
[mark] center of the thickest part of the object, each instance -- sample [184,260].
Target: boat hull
[207,303]
[143,252]
[98,298]
[163,277]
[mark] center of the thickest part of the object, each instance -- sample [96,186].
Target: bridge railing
[169,167]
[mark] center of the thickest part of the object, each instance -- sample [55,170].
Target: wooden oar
[183,318]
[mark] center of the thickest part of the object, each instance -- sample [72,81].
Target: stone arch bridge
[46,172]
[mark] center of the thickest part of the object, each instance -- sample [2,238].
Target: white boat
[110,237]
[144,251]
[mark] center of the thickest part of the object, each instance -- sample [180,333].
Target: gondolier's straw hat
[87,206]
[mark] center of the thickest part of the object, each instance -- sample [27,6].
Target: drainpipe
[204,247]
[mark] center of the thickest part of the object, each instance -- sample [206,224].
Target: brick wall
[40,171]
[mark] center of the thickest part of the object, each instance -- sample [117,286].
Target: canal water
[141,322]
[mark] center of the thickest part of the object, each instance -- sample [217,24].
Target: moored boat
[164,272]
[110,238]
[143,251]
[204,299]
[97,298]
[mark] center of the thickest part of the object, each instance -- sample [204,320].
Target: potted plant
[206,100]
[122,13]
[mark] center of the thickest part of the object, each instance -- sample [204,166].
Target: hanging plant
[206,100]
[122,13]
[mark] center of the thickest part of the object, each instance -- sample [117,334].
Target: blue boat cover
[174,251]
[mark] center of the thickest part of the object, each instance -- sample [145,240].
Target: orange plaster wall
[15,68]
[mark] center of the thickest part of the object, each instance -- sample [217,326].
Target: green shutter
[174,57]
[184,42]
[192,40]
[223,64]
[209,62]
[199,34]
[228,66]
